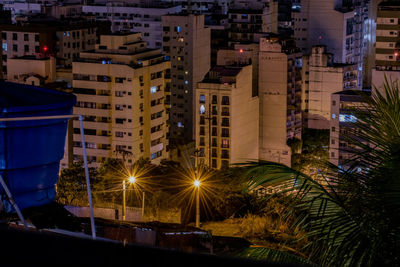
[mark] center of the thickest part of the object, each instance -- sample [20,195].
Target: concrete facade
[322,78]
[280,98]
[134,18]
[32,71]
[227,117]
[186,41]
[387,52]
[120,91]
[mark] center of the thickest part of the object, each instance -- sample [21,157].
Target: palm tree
[352,218]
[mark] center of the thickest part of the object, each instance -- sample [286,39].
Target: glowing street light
[196,184]
[131,180]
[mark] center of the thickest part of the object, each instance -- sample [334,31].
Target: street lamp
[131,180]
[196,184]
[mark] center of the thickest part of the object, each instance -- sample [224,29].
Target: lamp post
[196,183]
[131,180]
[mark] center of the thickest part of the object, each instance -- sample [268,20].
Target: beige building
[120,92]
[387,53]
[241,53]
[31,70]
[186,41]
[279,89]
[227,122]
[322,78]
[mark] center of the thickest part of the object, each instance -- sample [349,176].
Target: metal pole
[5,187]
[143,207]
[123,200]
[198,207]
[87,179]
[209,135]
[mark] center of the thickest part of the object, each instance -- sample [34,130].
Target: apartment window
[119,79]
[202,109]
[225,111]
[166,28]
[119,121]
[119,93]
[202,99]
[4,35]
[15,48]
[214,131]
[119,107]
[202,141]
[225,122]
[333,129]
[202,130]
[202,120]
[146,25]
[225,143]
[225,132]
[215,99]
[36,37]
[103,78]
[26,37]
[26,48]
[333,141]
[225,100]
[119,134]
[178,28]
[15,36]
[333,103]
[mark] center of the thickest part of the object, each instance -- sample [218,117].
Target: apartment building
[239,54]
[186,41]
[321,78]
[134,17]
[227,117]
[246,24]
[279,88]
[387,52]
[342,125]
[120,93]
[340,25]
[61,39]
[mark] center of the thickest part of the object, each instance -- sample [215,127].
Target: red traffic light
[45,48]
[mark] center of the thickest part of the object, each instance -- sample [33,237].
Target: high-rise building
[387,53]
[342,124]
[120,91]
[246,22]
[279,89]
[338,24]
[61,39]
[227,120]
[186,41]
[322,78]
[134,17]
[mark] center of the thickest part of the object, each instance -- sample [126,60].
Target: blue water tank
[31,150]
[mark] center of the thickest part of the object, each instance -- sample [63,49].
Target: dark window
[26,48]
[4,36]
[26,37]
[15,48]
[15,36]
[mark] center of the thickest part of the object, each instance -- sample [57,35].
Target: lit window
[202,109]
[202,99]
[180,125]
[4,47]
[347,118]
[178,28]
[153,89]
[186,72]
[186,82]
[333,116]
[180,39]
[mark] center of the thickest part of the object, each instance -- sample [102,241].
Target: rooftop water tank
[31,150]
